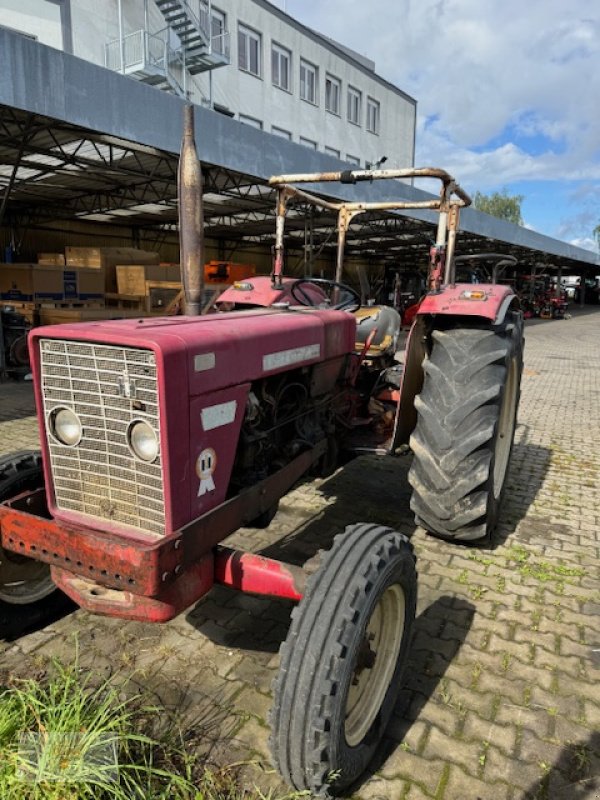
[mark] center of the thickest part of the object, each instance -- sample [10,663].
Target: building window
[252,121]
[218,31]
[308,82]
[372,115]
[281,60]
[281,132]
[331,151]
[249,50]
[333,89]
[354,102]
[308,143]
[354,160]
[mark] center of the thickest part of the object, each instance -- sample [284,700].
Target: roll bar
[452,198]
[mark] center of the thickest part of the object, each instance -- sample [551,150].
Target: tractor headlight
[65,426]
[143,440]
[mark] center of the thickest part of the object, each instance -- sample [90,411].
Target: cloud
[506,91]
[586,242]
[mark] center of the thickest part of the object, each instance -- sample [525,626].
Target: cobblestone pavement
[502,697]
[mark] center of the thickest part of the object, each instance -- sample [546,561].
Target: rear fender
[417,348]
[486,300]
[448,305]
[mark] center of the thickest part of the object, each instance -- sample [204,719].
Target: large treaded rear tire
[466,418]
[342,661]
[29,603]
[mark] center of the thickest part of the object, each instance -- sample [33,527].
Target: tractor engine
[283,418]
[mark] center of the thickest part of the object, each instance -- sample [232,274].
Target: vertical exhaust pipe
[191,218]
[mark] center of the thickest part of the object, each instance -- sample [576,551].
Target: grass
[64,738]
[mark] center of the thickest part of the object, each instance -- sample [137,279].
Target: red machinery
[160,437]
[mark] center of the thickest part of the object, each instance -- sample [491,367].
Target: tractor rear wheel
[342,661]
[466,418]
[27,594]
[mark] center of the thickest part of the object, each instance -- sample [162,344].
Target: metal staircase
[201,50]
[156,58]
[148,58]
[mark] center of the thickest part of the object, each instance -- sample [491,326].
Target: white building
[244,58]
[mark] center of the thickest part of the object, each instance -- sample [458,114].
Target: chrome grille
[100,477]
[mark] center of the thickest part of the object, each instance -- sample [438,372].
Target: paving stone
[537,751]
[404,765]
[463,785]
[441,747]
[503,737]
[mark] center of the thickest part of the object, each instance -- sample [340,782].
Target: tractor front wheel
[466,418]
[342,661]
[27,594]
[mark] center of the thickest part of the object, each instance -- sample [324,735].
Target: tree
[597,235]
[500,204]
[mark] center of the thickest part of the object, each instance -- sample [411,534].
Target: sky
[508,93]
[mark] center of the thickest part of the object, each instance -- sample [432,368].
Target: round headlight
[66,426]
[143,440]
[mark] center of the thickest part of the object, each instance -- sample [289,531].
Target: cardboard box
[31,282]
[90,284]
[132,278]
[51,259]
[227,272]
[106,260]
[83,284]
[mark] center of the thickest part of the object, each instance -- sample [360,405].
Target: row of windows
[250,60]
[331,151]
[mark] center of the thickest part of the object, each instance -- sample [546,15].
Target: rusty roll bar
[358,175]
[452,198]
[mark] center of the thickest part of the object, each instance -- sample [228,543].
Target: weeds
[64,738]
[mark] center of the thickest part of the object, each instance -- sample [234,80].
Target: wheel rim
[506,422]
[23,580]
[375,664]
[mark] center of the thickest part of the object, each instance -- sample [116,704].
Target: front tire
[342,661]
[28,596]
[466,418]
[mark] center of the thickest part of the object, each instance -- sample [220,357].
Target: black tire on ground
[466,418]
[342,661]
[27,595]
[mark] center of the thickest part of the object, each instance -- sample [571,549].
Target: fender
[490,302]
[486,300]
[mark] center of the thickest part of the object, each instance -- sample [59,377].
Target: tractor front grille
[108,388]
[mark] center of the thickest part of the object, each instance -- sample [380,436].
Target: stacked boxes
[81,274]
[105,260]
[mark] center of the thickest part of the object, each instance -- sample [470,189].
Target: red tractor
[160,437]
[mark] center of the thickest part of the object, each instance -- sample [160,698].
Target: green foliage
[65,738]
[501,205]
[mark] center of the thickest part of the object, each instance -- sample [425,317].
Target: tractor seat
[386,321]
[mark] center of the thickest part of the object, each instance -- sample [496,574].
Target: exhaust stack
[191,218]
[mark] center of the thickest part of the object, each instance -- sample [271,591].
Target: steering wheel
[336,295]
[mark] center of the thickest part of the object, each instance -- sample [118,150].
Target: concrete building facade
[244,58]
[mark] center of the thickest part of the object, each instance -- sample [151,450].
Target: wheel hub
[375,664]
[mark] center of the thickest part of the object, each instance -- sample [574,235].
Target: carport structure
[79,143]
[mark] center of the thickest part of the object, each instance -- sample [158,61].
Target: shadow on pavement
[16,400]
[529,464]
[43,613]
[574,776]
